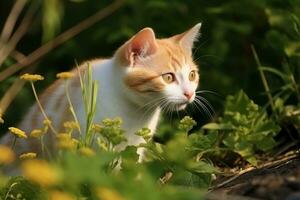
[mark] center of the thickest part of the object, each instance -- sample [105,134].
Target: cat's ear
[187,39]
[141,45]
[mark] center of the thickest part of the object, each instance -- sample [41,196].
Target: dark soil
[278,179]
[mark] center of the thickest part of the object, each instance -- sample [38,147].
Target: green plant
[245,127]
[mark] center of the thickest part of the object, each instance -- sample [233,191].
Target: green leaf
[274,71]
[216,126]
[266,144]
[200,167]
[251,131]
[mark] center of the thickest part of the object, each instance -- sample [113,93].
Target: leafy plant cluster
[167,171]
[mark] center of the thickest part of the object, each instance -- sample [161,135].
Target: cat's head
[160,71]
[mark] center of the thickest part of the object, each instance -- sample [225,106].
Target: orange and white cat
[145,75]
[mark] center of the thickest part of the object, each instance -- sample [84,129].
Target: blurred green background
[223,51]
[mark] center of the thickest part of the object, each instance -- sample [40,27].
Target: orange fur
[146,75]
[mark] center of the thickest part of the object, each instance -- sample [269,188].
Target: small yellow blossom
[86,151]
[65,75]
[17,132]
[105,193]
[7,155]
[66,142]
[103,145]
[75,142]
[71,125]
[47,122]
[32,77]
[58,195]
[96,128]
[29,155]
[63,136]
[40,172]
[36,133]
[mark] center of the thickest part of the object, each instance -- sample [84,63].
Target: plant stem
[9,190]
[14,143]
[43,146]
[41,108]
[71,107]
[263,78]
[295,86]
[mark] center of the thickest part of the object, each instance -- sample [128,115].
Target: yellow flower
[104,193]
[66,142]
[96,127]
[17,132]
[86,151]
[102,145]
[63,136]
[58,195]
[71,125]
[27,156]
[36,133]
[32,77]
[47,122]
[7,155]
[65,75]
[40,172]
[75,142]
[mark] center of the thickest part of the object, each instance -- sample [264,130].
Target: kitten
[145,75]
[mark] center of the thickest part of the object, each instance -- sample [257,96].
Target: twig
[18,56]
[7,48]
[44,49]
[276,164]
[10,94]
[15,88]
[224,196]
[11,20]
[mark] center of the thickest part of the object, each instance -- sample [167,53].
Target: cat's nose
[188,94]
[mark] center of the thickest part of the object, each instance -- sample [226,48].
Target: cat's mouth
[177,106]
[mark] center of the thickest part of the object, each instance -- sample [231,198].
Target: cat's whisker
[205,101]
[204,108]
[177,111]
[150,103]
[199,108]
[198,47]
[165,108]
[207,92]
[151,106]
[207,55]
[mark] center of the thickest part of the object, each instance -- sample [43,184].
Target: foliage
[85,175]
[181,162]
[246,127]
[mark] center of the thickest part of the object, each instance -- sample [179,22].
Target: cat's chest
[112,102]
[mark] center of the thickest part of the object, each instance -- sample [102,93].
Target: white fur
[116,100]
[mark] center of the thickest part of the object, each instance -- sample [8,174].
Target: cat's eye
[168,77]
[192,75]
